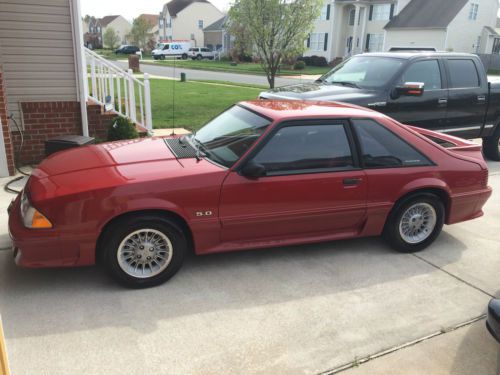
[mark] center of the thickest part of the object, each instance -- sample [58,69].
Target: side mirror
[253,170]
[409,89]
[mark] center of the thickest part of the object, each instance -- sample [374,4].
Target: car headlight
[32,218]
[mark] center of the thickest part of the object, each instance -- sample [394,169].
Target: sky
[132,8]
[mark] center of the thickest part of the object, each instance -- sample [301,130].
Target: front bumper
[32,247]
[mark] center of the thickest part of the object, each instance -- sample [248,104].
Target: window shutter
[371,13]
[368,42]
[309,41]
[392,11]
[325,47]
[328,12]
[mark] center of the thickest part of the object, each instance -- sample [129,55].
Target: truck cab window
[426,71]
[463,74]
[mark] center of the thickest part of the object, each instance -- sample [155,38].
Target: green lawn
[215,65]
[195,102]
[225,66]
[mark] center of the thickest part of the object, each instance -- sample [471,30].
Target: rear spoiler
[449,142]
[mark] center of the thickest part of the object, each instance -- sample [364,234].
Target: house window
[169,22]
[98,29]
[200,24]
[161,22]
[317,41]
[496,47]
[325,13]
[352,17]
[473,11]
[374,42]
[381,12]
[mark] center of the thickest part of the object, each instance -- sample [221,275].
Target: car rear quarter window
[306,149]
[380,148]
[463,74]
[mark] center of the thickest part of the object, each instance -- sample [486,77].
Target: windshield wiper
[346,83]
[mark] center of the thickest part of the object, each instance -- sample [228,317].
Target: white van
[171,49]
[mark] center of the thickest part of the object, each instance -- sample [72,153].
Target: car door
[429,110]
[313,186]
[467,99]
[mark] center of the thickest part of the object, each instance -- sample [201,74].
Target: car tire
[414,223]
[162,57]
[199,57]
[184,56]
[491,145]
[144,251]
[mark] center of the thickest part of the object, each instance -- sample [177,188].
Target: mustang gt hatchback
[261,174]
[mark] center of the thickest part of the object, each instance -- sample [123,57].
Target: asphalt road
[167,71]
[296,310]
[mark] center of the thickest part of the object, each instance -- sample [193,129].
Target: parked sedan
[261,174]
[127,50]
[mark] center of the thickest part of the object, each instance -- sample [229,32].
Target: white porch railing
[118,90]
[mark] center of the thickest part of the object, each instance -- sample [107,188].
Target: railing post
[112,87]
[92,75]
[147,99]
[131,96]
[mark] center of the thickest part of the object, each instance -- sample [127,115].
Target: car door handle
[442,101]
[481,98]
[351,181]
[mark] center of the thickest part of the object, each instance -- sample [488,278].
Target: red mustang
[261,174]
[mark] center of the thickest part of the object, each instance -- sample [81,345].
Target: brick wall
[42,121]
[5,127]
[99,122]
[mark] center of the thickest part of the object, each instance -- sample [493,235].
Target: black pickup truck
[445,92]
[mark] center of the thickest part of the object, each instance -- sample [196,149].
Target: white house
[93,31]
[348,27]
[186,19]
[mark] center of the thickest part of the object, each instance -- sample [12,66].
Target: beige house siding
[415,38]
[122,28]
[37,52]
[464,35]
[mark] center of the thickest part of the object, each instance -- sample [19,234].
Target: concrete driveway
[301,310]
[168,71]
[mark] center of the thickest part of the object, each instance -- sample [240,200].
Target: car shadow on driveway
[48,301]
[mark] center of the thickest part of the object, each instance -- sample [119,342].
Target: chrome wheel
[144,253]
[417,223]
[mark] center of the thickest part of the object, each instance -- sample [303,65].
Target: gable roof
[176,6]
[151,18]
[217,25]
[430,14]
[105,21]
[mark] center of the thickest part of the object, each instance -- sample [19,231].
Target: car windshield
[364,72]
[160,45]
[227,137]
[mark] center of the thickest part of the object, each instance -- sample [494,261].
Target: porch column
[355,30]
[363,29]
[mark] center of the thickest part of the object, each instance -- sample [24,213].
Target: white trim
[4,168]
[80,64]
[489,126]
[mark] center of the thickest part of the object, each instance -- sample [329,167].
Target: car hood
[106,165]
[319,91]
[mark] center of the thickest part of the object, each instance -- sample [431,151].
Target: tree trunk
[270,79]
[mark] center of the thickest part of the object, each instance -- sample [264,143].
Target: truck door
[468,96]
[429,110]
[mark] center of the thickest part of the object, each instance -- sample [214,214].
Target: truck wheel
[184,56]
[144,250]
[162,57]
[491,145]
[199,57]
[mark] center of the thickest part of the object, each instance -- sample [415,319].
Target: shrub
[299,65]
[246,58]
[314,60]
[122,128]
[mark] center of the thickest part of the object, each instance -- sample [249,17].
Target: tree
[274,29]
[140,33]
[110,38]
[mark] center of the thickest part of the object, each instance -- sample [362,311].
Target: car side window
[306,149]
[426,71]
[380,148]
[463,74]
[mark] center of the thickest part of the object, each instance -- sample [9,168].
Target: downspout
[80,64]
